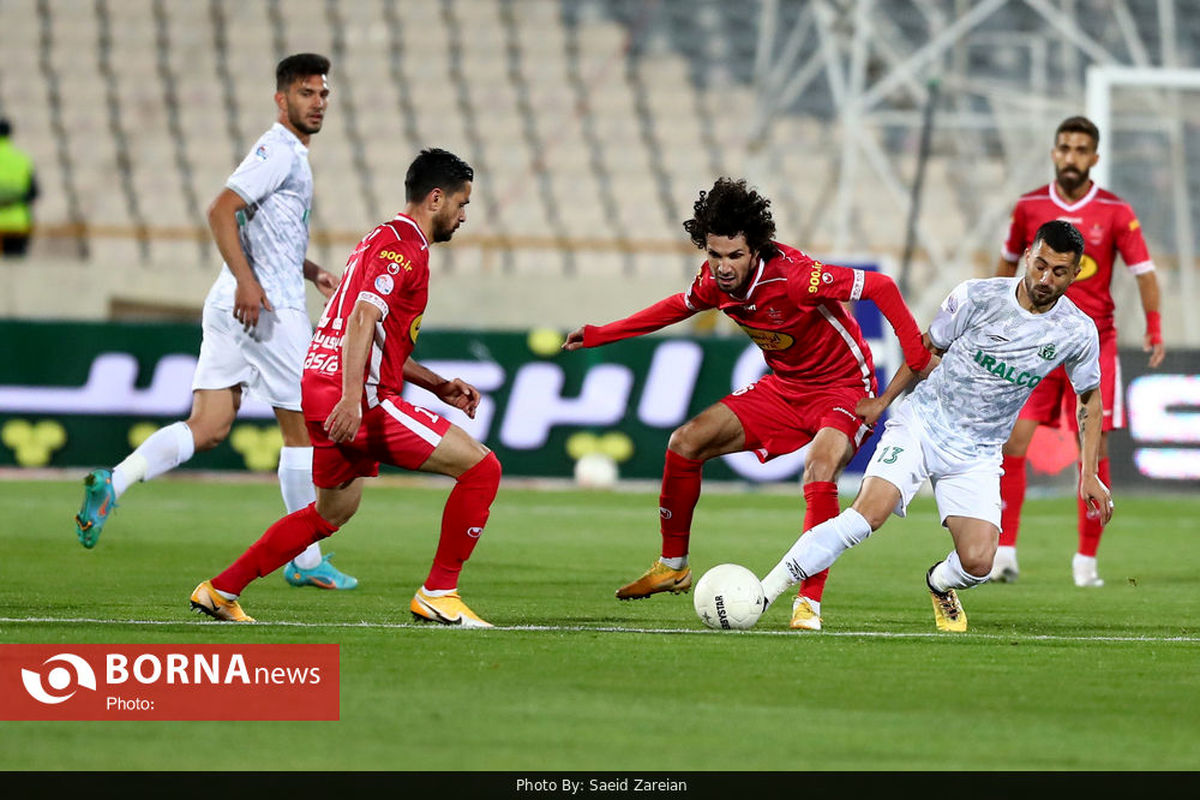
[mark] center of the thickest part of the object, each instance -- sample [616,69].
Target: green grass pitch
[1050,677]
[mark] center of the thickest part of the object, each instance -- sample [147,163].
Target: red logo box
[169,682]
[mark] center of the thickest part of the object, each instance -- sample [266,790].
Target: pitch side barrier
[75,395]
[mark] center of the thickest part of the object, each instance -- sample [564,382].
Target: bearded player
[1109,227]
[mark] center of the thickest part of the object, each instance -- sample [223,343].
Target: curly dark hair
[731,207]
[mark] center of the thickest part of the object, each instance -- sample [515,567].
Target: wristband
[1154,327]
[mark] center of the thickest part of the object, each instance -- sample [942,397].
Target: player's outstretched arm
[455,392]
[883,291]
[323,279]
[663,313]
[343,421]
[1006,268]
[1089,411]
[222,221]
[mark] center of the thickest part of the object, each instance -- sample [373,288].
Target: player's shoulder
[1111,200]
[1040,194]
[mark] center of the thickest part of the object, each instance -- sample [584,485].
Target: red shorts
[778,420]
[394,432]
[1054,397]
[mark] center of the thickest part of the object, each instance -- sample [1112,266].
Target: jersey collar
[1064,205]
[402,217]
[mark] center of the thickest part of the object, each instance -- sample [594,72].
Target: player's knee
[486,473]
[685,442]
[337,511]
[820,470]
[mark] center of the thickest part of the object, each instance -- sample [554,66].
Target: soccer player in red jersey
[355,371]
[1109,227]
[790,305]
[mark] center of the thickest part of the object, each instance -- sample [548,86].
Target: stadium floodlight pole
[1101,80]
[914,205]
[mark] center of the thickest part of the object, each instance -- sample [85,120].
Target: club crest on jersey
[769,340]
[384,284]
[1046,351]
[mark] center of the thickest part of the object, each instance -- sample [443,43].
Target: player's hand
[1098,498]
[247,300]
[459,394]
[934,360]
[1155,349]
[326,282]
[870,409]
[342,423]
[574,340]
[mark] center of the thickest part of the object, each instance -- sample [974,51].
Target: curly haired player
[790,305]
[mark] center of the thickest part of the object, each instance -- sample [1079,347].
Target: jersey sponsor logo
[1046,351]
[1087,267]
[817,276]
[1134,224]
[384,284]
[769,340]
[414,330]
[399,259]
[1006,371]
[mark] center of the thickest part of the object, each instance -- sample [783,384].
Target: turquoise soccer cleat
[323,576]
[99,500]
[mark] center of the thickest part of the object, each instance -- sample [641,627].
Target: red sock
[680,493]
[1090,528]
[282,542]
[821,499]
[1012,497]
[463,520]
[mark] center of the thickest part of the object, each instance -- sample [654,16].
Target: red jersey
[390,270]
[793,310]
[1108,225]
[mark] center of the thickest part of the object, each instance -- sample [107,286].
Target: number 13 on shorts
[888,455]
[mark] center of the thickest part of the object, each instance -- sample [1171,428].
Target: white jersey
[276,182]
[996,352]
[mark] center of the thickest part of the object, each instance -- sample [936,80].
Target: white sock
[438,592]
[678,562]
[296,486]
[1006,552]
[226,595]
[163,450]
[816,550]
[950,574]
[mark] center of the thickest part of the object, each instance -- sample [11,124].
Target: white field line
[608,629]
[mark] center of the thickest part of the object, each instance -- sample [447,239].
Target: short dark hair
[1061,237]
[730,208]
[1078,125]
[298,66]
[433,169]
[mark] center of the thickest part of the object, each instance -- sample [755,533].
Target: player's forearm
[356,347]
[420,375]
[1089,413]
[663,313]
[883,291]
[311,270]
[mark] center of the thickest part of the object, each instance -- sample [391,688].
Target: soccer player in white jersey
[256,328]
[997,338]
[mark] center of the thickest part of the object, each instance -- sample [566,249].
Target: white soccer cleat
[1084,568]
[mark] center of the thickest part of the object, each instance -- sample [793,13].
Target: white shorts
[265,362]
[963,486]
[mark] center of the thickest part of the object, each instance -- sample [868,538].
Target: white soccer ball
[729,597]
[596,471]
